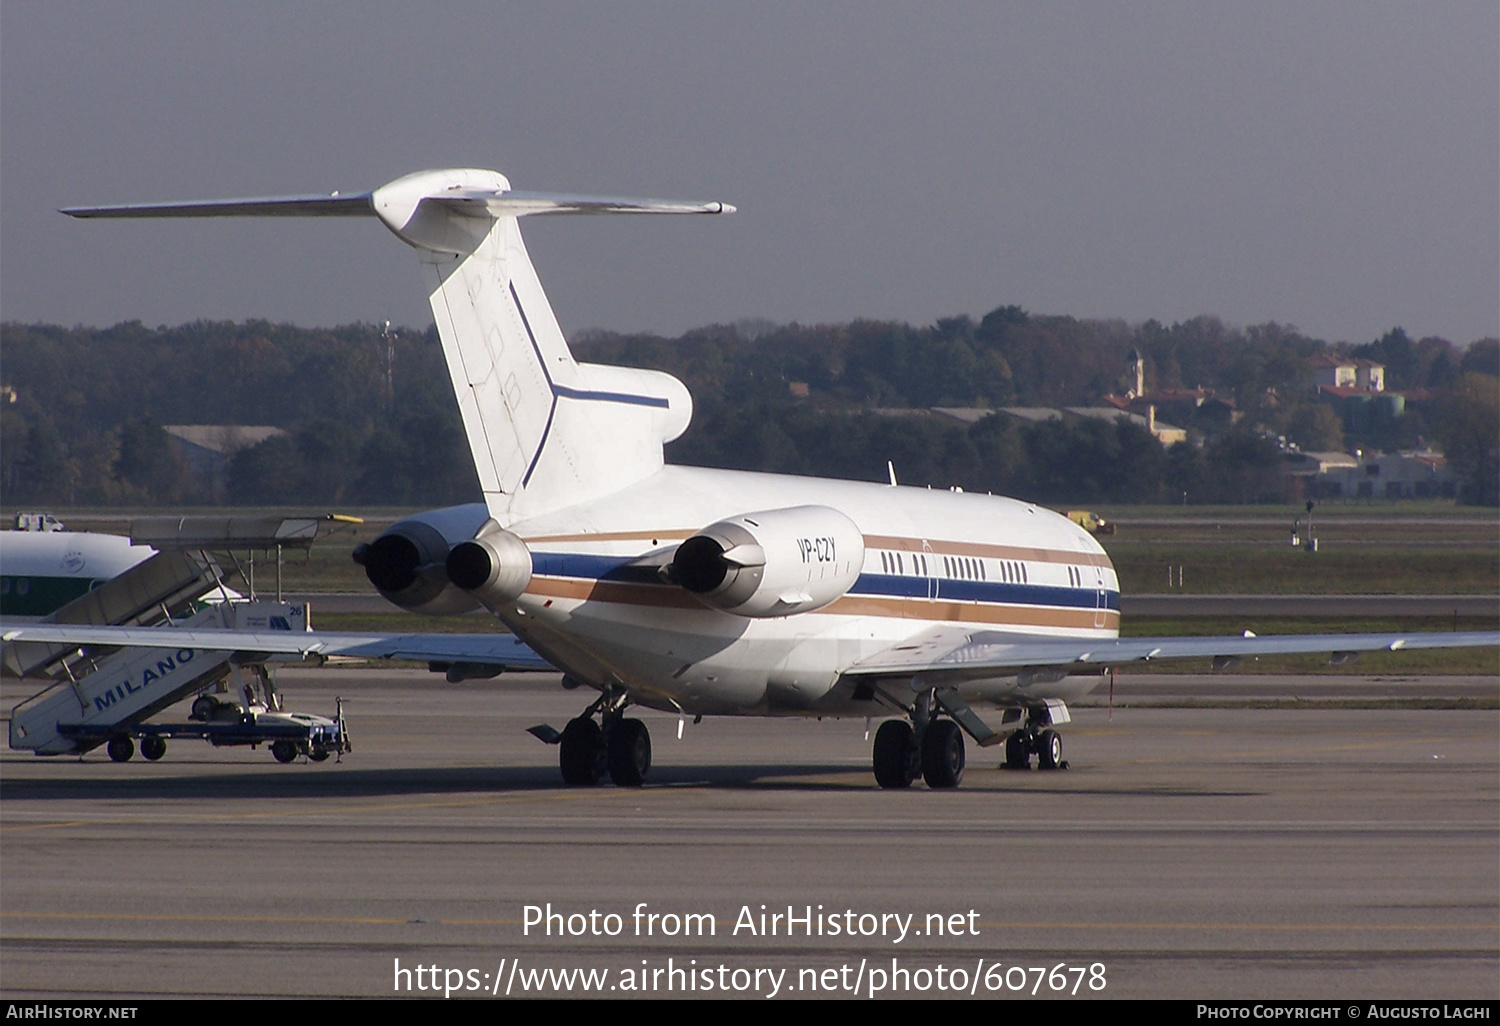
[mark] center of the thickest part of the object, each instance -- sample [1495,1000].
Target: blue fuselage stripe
[616,568]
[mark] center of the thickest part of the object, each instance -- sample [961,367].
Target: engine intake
[408,563]
[773,562]
[494,567]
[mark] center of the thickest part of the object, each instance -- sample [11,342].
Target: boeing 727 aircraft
[707,592]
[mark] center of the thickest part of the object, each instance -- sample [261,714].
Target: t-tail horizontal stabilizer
[545,431]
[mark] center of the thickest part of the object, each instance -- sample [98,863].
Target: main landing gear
[933,744]
[620,746]
[928,745]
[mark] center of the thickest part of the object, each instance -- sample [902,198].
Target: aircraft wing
[496,651]
[949,655]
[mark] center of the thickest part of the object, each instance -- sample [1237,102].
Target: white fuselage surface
[977,562]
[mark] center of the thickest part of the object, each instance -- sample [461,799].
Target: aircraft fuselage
[595,602]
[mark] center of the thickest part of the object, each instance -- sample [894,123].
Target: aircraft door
[1101,597]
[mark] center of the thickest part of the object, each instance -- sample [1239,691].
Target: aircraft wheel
[1048,750]
[895,755]
[318,753]
[943,754]
[580,753]
[629,753]
[120,749]
[1017,752]
[203,708]
[283,750]
[153,747]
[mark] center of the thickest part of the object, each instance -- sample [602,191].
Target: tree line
[371,420]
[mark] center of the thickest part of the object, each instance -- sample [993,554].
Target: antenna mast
[390,363]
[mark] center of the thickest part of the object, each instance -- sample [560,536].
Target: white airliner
[707,592]
[42,570]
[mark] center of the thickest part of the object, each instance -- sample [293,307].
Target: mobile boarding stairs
[104,695]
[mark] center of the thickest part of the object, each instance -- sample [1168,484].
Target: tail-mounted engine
[772,563]
[494,567]
[408,563]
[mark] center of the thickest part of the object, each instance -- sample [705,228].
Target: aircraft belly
[703,661]
[714,663]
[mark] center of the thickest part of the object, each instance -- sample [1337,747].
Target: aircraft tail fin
[545,431]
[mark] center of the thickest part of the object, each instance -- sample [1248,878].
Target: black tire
[580,753]
[283,750]
[153,747]
[943,754]
[318,753]
[1018,751]
[120,749]
[203,708]
[1048,750]
[895,755]
[629,753]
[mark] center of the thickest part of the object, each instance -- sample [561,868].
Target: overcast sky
[1334,166]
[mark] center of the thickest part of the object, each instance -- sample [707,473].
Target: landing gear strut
[621,746]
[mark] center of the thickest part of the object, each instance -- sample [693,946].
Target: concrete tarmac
[1200,853]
